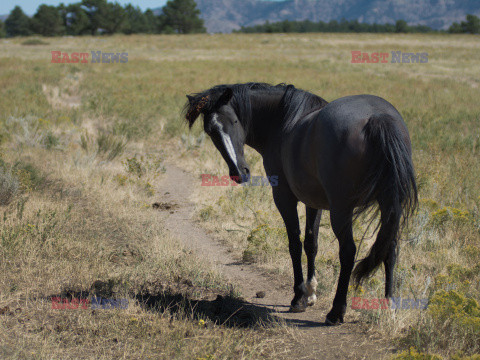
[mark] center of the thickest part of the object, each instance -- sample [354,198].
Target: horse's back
[328,149]
[349,110]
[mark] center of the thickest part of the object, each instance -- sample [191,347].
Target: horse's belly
[308,190]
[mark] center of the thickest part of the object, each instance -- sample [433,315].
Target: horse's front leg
[287,206]
[342,227]
[311,246]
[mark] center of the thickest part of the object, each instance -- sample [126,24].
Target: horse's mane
[295,102]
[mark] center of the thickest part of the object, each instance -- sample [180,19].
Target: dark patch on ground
[165,206]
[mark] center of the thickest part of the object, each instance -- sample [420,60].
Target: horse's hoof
[333,322]
[333,319]
[299,306]
[312,300]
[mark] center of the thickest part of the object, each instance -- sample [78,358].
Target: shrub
[25,130]
[191,142]
[206,213]
[50,141]
[449,215]
[456,316]
[135,166]
[263,241]
[109,146]
[8,186]
[34,42]
[121,179]
[412,354]
[151,166]
[29,176]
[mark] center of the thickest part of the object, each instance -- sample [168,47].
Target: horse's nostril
[247,171]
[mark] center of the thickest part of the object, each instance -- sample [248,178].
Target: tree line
[471,25]
[92,17]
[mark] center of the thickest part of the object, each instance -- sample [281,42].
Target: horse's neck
[265,122]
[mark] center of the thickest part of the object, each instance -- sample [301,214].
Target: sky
[29,7]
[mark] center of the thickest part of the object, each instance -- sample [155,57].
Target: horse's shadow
[225,309]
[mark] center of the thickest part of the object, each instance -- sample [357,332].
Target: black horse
[343,156]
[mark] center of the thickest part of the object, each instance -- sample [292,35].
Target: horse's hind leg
[311,246]
[389,265]
[390,222]
[342,227]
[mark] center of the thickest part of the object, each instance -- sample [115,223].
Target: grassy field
[82,148]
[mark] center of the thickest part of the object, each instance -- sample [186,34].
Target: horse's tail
[390,181]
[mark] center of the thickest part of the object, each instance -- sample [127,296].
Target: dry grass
[75,231]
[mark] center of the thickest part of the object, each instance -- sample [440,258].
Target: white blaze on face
[227,142]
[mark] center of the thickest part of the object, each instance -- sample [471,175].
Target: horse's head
[221,123]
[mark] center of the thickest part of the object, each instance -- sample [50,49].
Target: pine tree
[135,21]
[401,26]
[108,17]
[455,28]
[113,17]
[17,23]
[94,10]
[76,20]
[472,25]
[181,17]
[48,21]
[3,33]
[151,22]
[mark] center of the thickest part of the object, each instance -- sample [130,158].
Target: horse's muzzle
[240,176]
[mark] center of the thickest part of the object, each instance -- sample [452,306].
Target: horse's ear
[190,99]
[225,97]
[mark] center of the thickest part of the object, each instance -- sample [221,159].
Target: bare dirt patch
[66,95]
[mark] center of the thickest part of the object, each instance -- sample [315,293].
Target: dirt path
[315,340]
